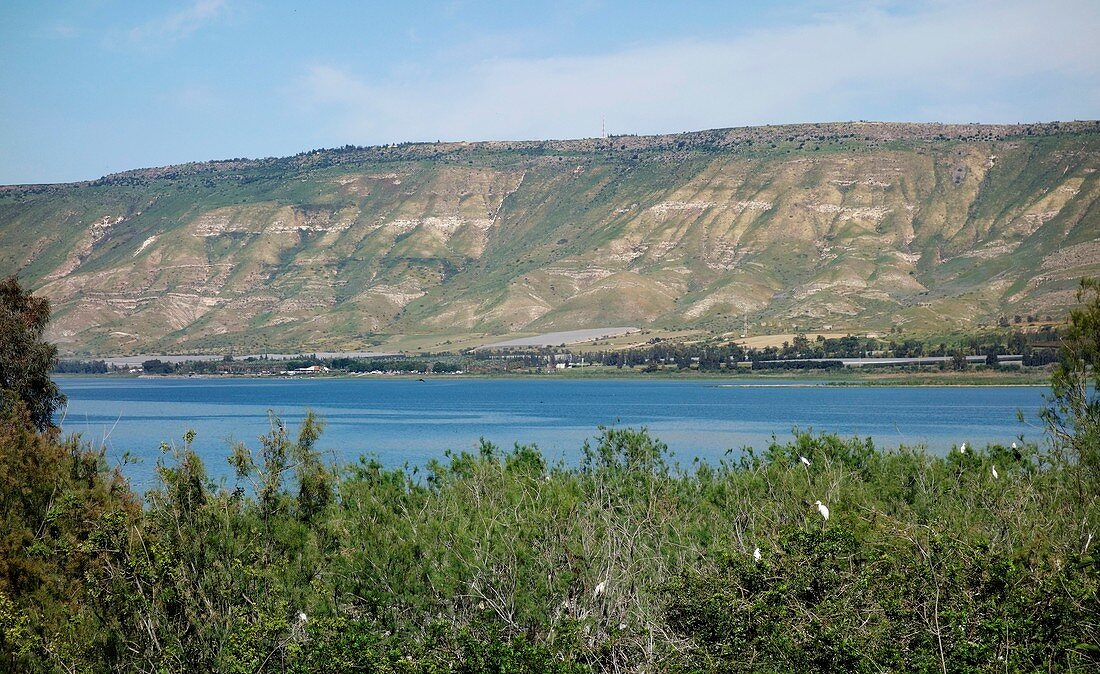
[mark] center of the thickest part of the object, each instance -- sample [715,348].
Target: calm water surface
[402,420]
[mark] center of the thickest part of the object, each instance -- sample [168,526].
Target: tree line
[1037,348]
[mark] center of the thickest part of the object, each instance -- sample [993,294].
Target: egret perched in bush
[995,473]
[804,460]
[302,616]
[599,588]
[962,448]
[823,509]
[756,555]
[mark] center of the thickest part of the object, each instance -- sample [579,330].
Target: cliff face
[853,226]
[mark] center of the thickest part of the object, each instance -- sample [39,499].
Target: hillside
[855,226]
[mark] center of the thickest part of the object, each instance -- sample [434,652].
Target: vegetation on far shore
[497,561]
[1006,357]
[852,377]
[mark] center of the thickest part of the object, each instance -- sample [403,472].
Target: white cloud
[179,24]
[978,61]
[63,30]
[195,97]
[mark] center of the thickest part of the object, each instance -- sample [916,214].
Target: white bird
[1013,445]
[600,588]
[804,460]
[962,448]
[995,473]
[823,509]
[302,616]
[756,554]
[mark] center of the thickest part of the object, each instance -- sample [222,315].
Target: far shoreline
[789,379]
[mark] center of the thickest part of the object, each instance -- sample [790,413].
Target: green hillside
[856,226]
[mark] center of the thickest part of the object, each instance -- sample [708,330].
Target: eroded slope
[852,227]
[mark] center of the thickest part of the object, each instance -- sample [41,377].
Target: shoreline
[738,381]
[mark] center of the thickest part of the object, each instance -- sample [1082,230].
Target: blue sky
[99,86]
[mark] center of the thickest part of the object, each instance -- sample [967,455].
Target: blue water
[406,421]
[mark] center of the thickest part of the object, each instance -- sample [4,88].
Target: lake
[407,421]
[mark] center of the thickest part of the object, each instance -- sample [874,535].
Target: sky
[92,87]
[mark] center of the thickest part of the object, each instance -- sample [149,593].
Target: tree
[958,360]
[26,359]
[1073,415]
[63,512]
[157,366]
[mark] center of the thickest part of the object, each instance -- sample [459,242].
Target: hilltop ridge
[840,226]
